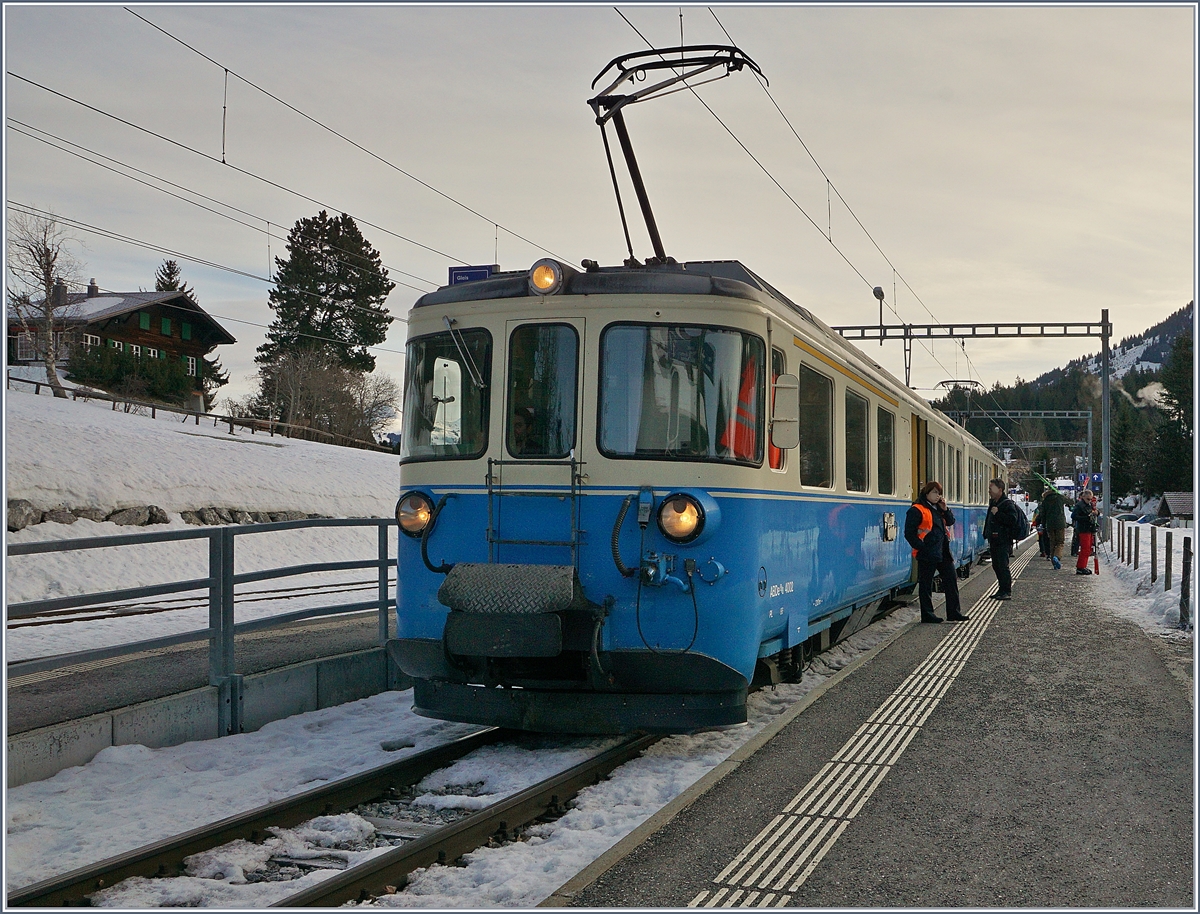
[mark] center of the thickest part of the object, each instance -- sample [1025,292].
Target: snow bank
[82,453]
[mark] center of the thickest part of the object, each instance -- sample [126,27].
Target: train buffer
[1040,755]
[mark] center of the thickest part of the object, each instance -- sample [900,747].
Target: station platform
[1039,755]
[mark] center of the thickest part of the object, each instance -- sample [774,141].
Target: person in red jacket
[925,529]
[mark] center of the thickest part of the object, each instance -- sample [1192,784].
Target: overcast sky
[1013,164]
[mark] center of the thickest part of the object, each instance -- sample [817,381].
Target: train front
[561,565]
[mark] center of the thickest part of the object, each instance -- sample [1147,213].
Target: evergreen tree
[329,296]
[213,375]
[1171,468]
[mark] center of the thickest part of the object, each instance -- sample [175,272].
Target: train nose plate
[511,589]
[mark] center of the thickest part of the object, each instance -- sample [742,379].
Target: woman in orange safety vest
[925,529]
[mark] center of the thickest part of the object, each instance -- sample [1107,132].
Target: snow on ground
[84,454]
[131,795]
[79,454]
[1131,594]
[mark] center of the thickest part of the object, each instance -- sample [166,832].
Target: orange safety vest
[926,523]
[741,432]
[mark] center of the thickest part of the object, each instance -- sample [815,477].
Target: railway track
[124,610]
[381,874]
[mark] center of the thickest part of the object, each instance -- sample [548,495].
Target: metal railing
[220,583]
[270,426]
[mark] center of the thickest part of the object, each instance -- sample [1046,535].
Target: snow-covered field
[1133,596]
[79,454]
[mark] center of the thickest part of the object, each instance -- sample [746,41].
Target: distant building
[1177,506]
[150,325]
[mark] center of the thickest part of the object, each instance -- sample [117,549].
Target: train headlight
[546,277]
[680,518]
[413,513]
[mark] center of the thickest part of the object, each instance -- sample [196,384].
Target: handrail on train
[221,581]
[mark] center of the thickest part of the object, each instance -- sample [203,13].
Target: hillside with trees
[1151,410]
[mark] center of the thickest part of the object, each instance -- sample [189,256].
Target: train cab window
[447,395]
[775,456]
[816,429]
[543,362]
[682,392]
[858,409]
[885,431]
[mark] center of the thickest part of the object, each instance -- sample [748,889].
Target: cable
[116,236]
[927,347]
[217,161]
[209,209]
[342,136]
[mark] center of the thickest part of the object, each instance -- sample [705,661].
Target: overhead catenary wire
[781,188]
[242,171]
[202,196]
[339,135]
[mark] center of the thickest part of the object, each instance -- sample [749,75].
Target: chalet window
[136,350]
[185,330]
[166,326]
[89,340]
[143,320]
[25,347]
[151,353]
[117,345]
[191,365]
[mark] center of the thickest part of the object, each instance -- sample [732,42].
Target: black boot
[929,618]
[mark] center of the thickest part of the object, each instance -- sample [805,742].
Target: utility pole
[1105,428]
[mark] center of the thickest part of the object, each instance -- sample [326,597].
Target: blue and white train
[628,493]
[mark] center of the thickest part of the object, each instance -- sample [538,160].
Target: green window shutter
[166,326]
[143,320]
[185,330]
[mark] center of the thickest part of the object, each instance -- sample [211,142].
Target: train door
[533,486]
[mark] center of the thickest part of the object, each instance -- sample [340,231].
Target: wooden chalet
[1177,506]
[150,325]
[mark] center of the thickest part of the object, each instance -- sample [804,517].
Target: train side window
[447,395]
[930,458]
[958,475]
[858,411]
[941,465]
[543,362]
[775,455]
[816,429]
[885,430]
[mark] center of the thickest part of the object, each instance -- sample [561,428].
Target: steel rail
[390,870]
[167,856]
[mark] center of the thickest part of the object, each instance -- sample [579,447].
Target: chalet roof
[1177,504]
[84,310]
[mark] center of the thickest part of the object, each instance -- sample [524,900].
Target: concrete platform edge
[187,716]
[565,894]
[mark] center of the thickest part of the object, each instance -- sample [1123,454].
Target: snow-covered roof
[81,308]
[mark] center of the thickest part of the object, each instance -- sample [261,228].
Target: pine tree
[329,295]
[213,375]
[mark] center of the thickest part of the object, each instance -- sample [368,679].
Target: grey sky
[1024,163]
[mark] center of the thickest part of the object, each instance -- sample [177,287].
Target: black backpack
[1022,521]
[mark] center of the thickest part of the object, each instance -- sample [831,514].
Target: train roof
[729,278]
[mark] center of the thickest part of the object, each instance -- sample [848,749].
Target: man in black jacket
[1084,517]
[1002,527]
[925,529]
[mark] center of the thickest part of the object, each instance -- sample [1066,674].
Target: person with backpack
[1005,524]
[925,529]
[1054,516]
[1084,517]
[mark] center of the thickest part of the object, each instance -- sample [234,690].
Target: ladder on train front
[497,491]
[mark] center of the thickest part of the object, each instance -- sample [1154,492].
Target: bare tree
[40,268]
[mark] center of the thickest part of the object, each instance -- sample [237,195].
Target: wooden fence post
[1137,544]
[1153,554]
[1167,560]
[1185,584]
